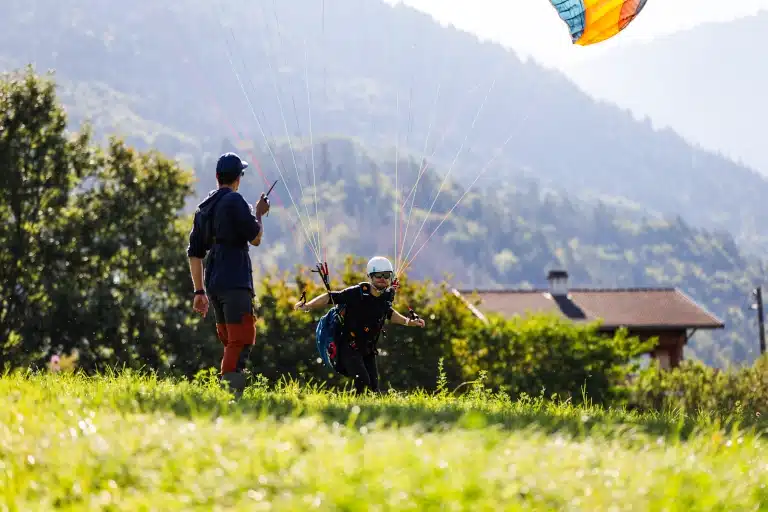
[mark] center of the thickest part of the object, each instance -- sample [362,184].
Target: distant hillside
[707,83]
[160,73]
[501,236]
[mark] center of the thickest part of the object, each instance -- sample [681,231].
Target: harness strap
[379,324]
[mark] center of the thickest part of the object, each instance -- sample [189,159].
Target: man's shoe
[236,382]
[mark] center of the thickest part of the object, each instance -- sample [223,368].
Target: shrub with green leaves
[543,353]
[694,387]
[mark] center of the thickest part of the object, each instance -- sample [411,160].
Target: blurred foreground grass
[135,442]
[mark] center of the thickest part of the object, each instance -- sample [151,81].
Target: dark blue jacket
[234,225]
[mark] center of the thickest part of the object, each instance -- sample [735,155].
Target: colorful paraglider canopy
[593,21]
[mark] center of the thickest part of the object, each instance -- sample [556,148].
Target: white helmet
[378,264]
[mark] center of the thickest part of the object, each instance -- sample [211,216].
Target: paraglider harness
[331,329]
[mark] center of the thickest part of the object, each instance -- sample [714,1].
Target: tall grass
[133,441]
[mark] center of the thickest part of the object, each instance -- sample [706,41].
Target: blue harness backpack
[328,330]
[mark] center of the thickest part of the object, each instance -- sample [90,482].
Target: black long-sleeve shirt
[363,313]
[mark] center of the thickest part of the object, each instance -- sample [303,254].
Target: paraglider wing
[593,21]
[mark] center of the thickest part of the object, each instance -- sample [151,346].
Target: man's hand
[262,207]
[200,304]
[418,322]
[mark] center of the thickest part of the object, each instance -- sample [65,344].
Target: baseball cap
[230,163]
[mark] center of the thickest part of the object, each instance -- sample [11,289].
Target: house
[667,313]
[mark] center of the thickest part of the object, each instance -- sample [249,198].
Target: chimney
[558,282]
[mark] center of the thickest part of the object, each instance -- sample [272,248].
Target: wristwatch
[199,292]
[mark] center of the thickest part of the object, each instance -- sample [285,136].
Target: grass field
[131,442]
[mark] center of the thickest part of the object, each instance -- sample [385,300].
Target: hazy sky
[532,27]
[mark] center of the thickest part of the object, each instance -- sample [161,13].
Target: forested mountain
[706,83]
[161,73]
[497,236]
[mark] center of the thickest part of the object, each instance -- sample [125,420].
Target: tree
[39,168]
[94,257]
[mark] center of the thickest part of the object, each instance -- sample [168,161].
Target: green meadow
[136,442]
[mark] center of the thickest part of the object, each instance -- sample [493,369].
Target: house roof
[639,308]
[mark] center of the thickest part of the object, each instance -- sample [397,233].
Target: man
[366,307]
[223,227]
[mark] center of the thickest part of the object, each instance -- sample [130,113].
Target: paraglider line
[273,75]
[482,171]
[445,178]
[261,129]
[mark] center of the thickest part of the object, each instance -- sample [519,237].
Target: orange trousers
[235,327]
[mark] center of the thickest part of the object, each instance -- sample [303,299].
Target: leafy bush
[694,387]
[543,353]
